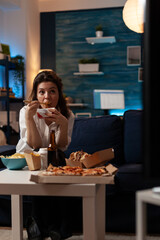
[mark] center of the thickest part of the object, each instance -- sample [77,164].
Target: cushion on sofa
[133,136]
[97,133]
[130,178]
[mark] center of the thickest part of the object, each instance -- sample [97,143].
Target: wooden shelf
[81,105]
[11,65]
[87,73]
[94,40]
[11,99]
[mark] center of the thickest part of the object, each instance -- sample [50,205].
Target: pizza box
[33,160]
[98,158]
[47,177]
[40,178]
[111,169]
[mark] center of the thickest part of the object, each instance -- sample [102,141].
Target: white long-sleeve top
[44,131]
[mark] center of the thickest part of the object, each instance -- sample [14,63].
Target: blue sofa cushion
[97,133]
[130,178]
[133,136]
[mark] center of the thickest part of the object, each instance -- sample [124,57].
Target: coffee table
[143,197]
[17,184]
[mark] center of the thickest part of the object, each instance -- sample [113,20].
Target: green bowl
[14,163]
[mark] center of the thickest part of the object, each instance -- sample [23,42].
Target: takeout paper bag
[98,158]
[33,161]
[111,169]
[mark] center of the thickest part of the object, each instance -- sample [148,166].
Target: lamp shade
[133,15]
[41,70]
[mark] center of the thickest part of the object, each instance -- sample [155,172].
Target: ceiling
[7,5]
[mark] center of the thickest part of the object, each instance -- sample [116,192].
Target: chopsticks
[28,101]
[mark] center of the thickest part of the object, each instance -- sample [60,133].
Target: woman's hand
[31,109]
[57,117]
[62,122]
[33,137]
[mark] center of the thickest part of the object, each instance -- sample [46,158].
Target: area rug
[5,234]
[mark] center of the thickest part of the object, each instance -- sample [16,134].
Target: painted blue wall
[71,30]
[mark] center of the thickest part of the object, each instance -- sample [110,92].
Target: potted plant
[18,71]
[88,65]
[4,51]
[99,31]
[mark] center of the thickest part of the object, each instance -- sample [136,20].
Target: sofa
[124,134]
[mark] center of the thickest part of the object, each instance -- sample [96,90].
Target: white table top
[15,176]
[24,176]
[17,182]
[148,196]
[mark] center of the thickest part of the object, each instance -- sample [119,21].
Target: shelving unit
[95,40]
[8,65]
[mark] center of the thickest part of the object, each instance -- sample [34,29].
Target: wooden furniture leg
[94,215]
[17,217]
[141,219]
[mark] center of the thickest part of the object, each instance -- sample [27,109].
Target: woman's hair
[50,76]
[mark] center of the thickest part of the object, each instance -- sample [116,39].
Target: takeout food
[15,155]
[46,104]
[78,171]
[83,159]
[41,112]
[78,156]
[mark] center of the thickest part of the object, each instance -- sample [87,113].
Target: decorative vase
[88,67]
[99,34]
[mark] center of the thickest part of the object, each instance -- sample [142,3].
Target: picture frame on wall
[133,55]
[140,75]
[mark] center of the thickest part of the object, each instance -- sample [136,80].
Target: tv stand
[142,198]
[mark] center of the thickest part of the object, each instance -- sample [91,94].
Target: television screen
[108,99]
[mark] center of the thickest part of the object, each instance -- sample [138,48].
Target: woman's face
[47,92]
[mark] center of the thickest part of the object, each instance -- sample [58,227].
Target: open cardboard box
[98,158]
[33,160]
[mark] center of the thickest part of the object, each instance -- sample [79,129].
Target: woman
[34,131]
[49,212]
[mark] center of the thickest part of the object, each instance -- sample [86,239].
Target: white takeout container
[43,152]
[42,112]
[98,158]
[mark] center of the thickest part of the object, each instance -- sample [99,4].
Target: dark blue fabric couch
[124,134]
